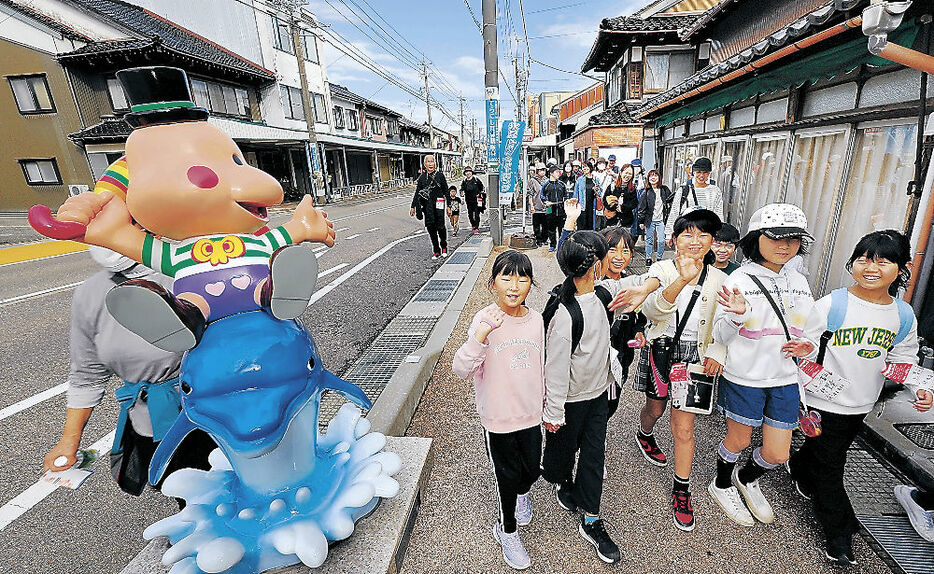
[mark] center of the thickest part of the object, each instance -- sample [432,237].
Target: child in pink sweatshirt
[505,354]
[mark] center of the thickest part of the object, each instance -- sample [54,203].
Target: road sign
[492,125]
[510,146]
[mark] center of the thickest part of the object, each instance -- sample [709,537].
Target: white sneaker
[524,509]
[921,520]
[754,498]
[514,553]
[729,500]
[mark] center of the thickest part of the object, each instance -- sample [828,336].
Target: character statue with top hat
[184,202]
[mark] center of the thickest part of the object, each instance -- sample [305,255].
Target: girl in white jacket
[869,331]
[763,305]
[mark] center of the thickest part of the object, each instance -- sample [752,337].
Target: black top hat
[158,95]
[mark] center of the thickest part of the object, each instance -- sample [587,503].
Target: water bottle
[84,459]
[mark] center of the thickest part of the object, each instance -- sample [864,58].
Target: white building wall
[22,30]
[86,23]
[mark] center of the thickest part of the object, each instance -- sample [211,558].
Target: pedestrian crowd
[747,340]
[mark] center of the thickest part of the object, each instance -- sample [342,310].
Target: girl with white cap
[764,306]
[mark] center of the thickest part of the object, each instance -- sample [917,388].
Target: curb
[392,412]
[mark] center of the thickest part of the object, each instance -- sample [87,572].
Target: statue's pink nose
[202,176]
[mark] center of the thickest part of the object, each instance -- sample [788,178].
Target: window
[117,95]
[41,171]
[100,161]
[230,100]
[392,127]
[216,93]
[766,168]
[730,178]
[199,91]
[816,170]
[374,126]
[875,198]
[832,99]
[338,117]
[310,47]
[665,70]
[281,35]
[320,107]
[352,120]
[243,103]
[32,94]
[292,103]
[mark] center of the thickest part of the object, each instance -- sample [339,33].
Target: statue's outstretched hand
[312,223]
[89,217]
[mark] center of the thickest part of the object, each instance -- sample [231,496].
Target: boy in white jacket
[759,386]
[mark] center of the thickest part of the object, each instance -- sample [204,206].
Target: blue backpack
[838,303]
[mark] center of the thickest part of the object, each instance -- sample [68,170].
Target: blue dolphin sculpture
[244,383]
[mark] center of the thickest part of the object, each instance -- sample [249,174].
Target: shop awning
[825,64]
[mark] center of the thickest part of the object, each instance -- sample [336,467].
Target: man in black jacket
[552,194]
[430,202]
[471,188]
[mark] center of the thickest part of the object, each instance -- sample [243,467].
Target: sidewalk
[453,531]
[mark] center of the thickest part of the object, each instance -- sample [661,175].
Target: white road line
[36,493]
[333,284]
[323,273]
[320,248]
[39,293]
[341,229]
[372,230]
[352,236]
[24,404]
[368,213]
[43,258]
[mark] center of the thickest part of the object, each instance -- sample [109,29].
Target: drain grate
[870,484]
[462,258]
[898,539]
[437,290]
[407,324]
[475,240]
[920,434]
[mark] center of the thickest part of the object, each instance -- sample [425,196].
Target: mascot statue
[183,201]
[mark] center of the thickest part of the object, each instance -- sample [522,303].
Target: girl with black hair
[857,350]
[586,192]
[577,375]
[763,308]
[626,327]
[680,332]
[504,354]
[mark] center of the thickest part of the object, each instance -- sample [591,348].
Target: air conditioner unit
[74,190]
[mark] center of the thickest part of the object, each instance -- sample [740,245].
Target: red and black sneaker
[650,449]
[682,510]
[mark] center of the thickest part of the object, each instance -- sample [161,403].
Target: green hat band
[161,106]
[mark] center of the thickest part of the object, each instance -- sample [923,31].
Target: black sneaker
[649,449]
[565,497]
[802,489]
[596,534]
[840,551]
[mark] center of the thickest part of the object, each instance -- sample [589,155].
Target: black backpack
[574,309]
[684,197]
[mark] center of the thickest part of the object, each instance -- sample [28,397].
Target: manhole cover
[462,258]
[898,539]
[437,290]
[920,434]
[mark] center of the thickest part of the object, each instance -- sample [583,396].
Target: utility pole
[431,128]
[294,7]
[523,159]
[491,82]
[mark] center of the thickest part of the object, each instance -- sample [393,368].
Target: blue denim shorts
[751,406]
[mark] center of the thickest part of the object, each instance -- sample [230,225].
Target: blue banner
[510,146]
[492,127]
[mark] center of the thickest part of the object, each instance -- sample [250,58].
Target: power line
[540,63]
[553,8]
[474,16]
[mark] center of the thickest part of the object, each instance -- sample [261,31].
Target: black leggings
[473,214]
[515,458]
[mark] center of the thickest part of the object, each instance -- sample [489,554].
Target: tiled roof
[617,115]
[407,123]
[616,33]
[788,34]
[46,21]
[652,24]
[173,37]
[345,93]
[110,129]
[112,46]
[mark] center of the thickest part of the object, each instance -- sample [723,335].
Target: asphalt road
[97,528]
